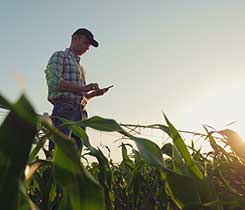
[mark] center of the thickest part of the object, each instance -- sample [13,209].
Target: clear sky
[183,58]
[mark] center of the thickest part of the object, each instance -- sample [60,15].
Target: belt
[63,100]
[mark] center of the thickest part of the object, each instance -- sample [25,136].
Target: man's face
[82,44]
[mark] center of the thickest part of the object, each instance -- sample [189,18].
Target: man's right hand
[68,86]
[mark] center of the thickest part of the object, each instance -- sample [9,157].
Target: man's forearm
[97,92]
[68,87]
[89,95]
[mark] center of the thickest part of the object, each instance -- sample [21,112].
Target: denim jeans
[70,111]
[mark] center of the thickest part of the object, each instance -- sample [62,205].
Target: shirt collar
[69,52]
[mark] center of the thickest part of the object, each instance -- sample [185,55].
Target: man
[67,88]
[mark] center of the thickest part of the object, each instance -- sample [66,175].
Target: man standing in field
[67,88]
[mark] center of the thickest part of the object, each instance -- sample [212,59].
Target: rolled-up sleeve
[53,73]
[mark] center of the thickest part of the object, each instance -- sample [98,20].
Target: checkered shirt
[64,65]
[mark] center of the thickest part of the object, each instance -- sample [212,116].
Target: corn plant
[175,176]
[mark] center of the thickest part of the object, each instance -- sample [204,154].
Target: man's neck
[74,52]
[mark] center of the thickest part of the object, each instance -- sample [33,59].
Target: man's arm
[97,92]
[55,80]
[67,86]
[53,71]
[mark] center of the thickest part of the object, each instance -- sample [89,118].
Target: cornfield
[175,176]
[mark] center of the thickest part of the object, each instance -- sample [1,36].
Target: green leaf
[105,174]
[167,149]
[80,190]
[183,190]
[179,143]
[102,124]
[148,149]
[208,193]
[16,136]
[37,148]
[24,202]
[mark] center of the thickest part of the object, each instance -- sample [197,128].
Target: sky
[181,58]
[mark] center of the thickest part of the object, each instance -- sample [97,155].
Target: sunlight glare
[218,109]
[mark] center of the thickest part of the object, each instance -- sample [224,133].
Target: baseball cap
[88,34]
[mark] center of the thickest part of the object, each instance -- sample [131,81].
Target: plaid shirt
[64,65]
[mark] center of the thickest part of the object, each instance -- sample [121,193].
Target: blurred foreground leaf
[17,133]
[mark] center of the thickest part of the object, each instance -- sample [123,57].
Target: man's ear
[74,37]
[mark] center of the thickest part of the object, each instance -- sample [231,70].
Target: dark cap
[88,34]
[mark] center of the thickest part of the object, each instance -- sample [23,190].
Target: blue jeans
[71,111]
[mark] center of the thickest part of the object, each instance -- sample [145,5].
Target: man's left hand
[100,92]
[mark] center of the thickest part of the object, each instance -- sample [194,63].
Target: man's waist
[66,99]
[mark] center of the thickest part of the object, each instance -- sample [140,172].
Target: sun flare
[219,109]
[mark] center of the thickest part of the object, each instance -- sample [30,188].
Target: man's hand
[68,86]
[90,87]
[99,92]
